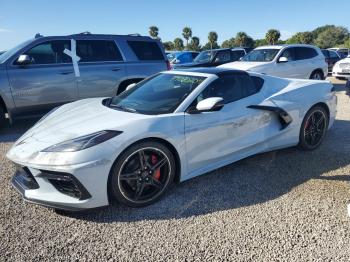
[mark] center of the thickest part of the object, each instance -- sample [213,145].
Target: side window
[223,56]
[236,55]
[231,88]
[194,55]
[98,51]
[305,53]
[333,54]
[259,82]
[146,50]
[49,53]
[289,53]
[326,53]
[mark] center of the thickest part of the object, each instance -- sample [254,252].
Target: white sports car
[170,127]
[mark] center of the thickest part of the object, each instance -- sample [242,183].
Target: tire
[2,118]
[313,128]
[137,184]
[317,75]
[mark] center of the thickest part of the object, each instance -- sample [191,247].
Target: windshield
[204,57]
[160,94]
[261,55]
[13,50]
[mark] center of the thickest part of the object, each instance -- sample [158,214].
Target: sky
[22,19]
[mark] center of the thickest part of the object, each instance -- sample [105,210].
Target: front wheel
[317,75]
[142,174]
[313,128]
[2,118]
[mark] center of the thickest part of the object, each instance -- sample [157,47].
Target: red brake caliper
[154,161]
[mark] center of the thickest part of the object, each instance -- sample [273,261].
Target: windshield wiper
[123,108]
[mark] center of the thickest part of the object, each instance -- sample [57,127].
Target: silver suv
[45,72]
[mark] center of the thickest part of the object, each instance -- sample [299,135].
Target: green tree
[212,38]
[243,40]
[153,31]
[168,45]
[209,46]
[187,34]
[194,44]
[332,37]
[260,42]
[347,43]
[321,29]
[178,44]
[301,38]
[272,36]
[230,43]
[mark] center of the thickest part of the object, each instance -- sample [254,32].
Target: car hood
[245,65]
[78,119]
[345,60]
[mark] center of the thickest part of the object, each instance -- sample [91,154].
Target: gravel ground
[279,206]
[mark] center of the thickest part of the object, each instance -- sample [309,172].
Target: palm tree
[241,39]
[153,31]
[272,36]
[195,44]
[187,34]
[212,38]
[178,44]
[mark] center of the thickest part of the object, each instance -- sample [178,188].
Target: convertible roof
[219,71]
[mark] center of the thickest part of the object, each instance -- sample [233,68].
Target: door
[289,69]
[101,68]
[222,57]
[46,82]
[213,138]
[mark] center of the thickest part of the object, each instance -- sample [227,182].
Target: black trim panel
[284,118]
[21,190]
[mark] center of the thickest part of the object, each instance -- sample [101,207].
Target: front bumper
[19,183]
[340,74]
[73,188]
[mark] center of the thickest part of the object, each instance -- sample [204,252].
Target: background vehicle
[331,58]
[341,69]
[342,52]
[215,57]
[182,57]
[188,123]
[38,75]
[290,61]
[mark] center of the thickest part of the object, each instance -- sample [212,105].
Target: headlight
[83,142]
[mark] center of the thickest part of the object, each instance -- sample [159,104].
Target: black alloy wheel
[142,174]
[313,128]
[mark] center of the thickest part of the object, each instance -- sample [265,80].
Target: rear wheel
[317,75]
[142,174]
[313,128]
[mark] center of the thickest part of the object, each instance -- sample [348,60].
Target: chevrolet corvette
[168,128]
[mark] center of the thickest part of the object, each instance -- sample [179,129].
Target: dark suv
[45,72]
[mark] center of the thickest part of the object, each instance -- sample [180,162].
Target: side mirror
[208,105]
[24,60]
[130,86]
[283,59]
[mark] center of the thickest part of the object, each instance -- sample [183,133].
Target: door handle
[66,72]
[115,69]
